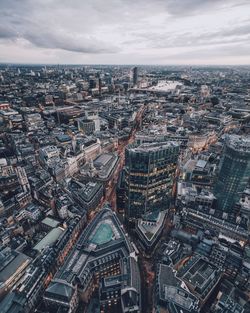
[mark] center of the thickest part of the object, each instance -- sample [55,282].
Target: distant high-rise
[100,85]
[135,75]
[92,84]
[234,172]
[149,177]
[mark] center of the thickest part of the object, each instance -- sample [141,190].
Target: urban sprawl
[124,189]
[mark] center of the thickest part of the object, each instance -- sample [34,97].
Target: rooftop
[174,292]
[10,261]
[50,222]
[150,227]
[49,239]
[85,191]
[103,241]
[61,289]
[153,147]
[200,275]
[103,159]
[239,143]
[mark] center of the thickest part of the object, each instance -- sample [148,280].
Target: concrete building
[88,195]
[12,268]
[149,229]
[200,276]
[172,294]
[86,126]
[103,258]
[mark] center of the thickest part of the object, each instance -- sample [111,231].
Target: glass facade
[149,176]
[234,173]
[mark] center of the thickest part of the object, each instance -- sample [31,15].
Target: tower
[74,143]
[135,76]
[149,177]
[100,85]
[234,172]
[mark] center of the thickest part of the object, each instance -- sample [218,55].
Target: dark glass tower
[234,172]
[149,177]
[135,76]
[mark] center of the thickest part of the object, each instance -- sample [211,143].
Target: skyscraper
[149,177]
[135,75]
[100,85]
[234,172]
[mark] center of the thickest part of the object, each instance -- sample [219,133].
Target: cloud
[192,7]
[7,33]
[224,51]
[69,42]
[96,30]
[39,28]
[237,33]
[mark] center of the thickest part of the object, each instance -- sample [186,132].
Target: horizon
[122,64]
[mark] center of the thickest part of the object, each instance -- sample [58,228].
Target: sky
[208,32]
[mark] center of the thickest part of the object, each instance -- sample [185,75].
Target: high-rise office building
[234,172]
[135,75]
[92,83]
[100,85]
[149,177]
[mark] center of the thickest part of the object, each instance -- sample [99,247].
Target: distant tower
[57,113]
[234,173]
[92,83]
[100,86]
[74,143]
[135,76]
[91,168]
[119,97]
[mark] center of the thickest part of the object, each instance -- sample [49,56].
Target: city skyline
[125,156]
[159,32]
[124,189]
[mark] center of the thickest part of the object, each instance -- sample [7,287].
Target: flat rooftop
[200,274]
[150,227]
[11,261]
[152,147]
[179,296]
[240,143]
[103,159]
[49,239]
[85,190]
[50,222]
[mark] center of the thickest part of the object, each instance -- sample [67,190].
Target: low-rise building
[172,295]
[88,195]
[200,276]
[149,229]
[12,268]
[103,250]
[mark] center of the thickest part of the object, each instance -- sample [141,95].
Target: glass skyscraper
[149,177]
[135,75]
[234,172]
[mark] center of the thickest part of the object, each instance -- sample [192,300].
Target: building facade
[149,177]
[234,172]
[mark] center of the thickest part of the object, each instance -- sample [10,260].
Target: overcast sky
[125,31]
